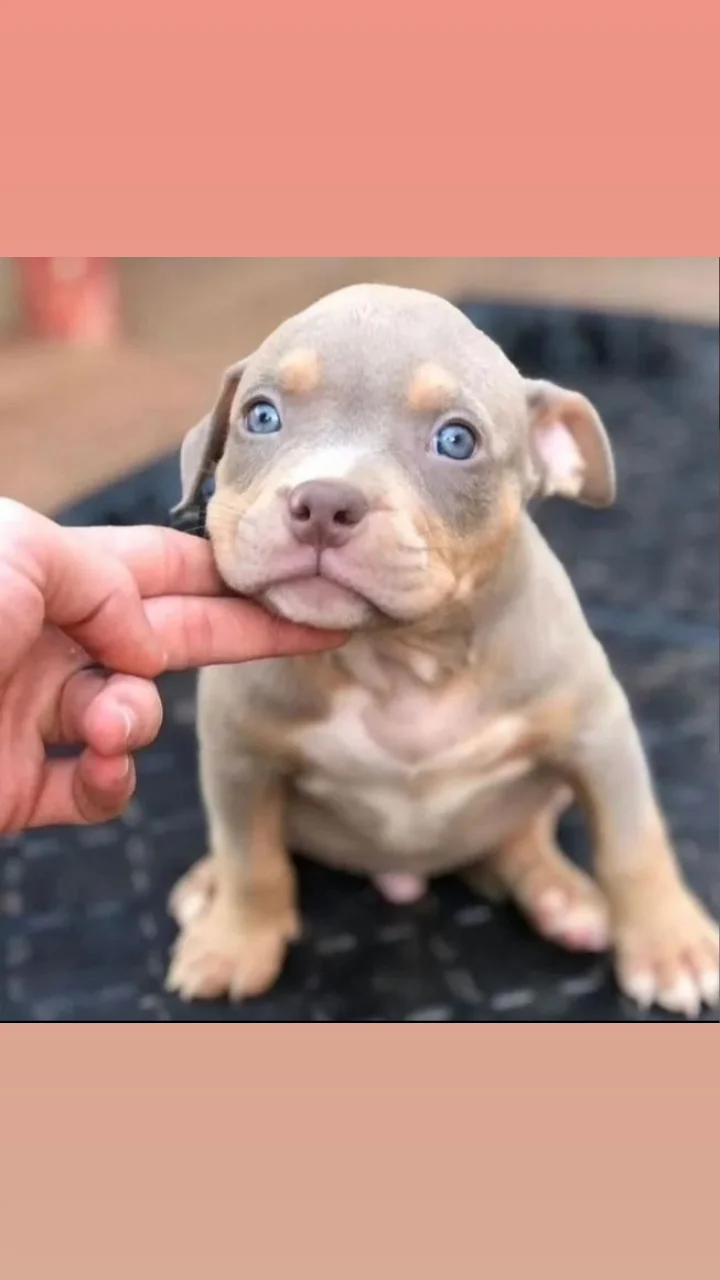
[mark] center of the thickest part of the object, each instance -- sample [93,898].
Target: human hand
[133,601]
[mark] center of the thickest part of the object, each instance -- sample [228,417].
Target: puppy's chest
[414,757]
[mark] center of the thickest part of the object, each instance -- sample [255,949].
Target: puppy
[374,459]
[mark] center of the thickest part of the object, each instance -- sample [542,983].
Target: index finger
[163,562]
[204,633]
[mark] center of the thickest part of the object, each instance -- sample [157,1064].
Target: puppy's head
[373,457]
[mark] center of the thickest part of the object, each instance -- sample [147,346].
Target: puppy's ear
[570,447]
[203,445]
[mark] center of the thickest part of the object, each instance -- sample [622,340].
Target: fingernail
[129,722]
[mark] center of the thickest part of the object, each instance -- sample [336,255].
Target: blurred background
[105,363]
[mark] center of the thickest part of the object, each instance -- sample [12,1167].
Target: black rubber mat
[84,929]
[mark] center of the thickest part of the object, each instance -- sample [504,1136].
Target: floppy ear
[571,450]
[203,445]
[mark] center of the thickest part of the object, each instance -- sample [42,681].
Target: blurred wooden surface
[72,420]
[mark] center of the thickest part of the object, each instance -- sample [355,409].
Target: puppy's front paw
[669,955]
[220,954]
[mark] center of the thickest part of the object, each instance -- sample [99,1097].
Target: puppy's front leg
[237,944]
[666,945]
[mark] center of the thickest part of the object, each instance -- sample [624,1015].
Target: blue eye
[262,419]
[455,441]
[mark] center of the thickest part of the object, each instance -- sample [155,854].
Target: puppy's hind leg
[559,899]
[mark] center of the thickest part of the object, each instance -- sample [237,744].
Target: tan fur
[470,704]
[431,389]
[300,372]
[476,559]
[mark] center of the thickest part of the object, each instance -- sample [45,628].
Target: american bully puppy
[373,461]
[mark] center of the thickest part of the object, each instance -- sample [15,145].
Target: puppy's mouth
[320,599]
[328,588]
[319,587]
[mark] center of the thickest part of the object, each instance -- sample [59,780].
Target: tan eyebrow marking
[300,371]
[431,389]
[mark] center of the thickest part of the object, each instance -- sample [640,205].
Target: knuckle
[14,513]
[18,530]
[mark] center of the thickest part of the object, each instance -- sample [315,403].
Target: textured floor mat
[84,929]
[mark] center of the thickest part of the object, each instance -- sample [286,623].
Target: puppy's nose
[326,513]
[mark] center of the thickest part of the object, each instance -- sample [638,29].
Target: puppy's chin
[314,602]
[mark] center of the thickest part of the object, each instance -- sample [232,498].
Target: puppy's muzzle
[325,513]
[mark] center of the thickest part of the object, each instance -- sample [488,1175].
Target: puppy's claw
[640,987]
[188,907]
[709,981]
[682,997]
